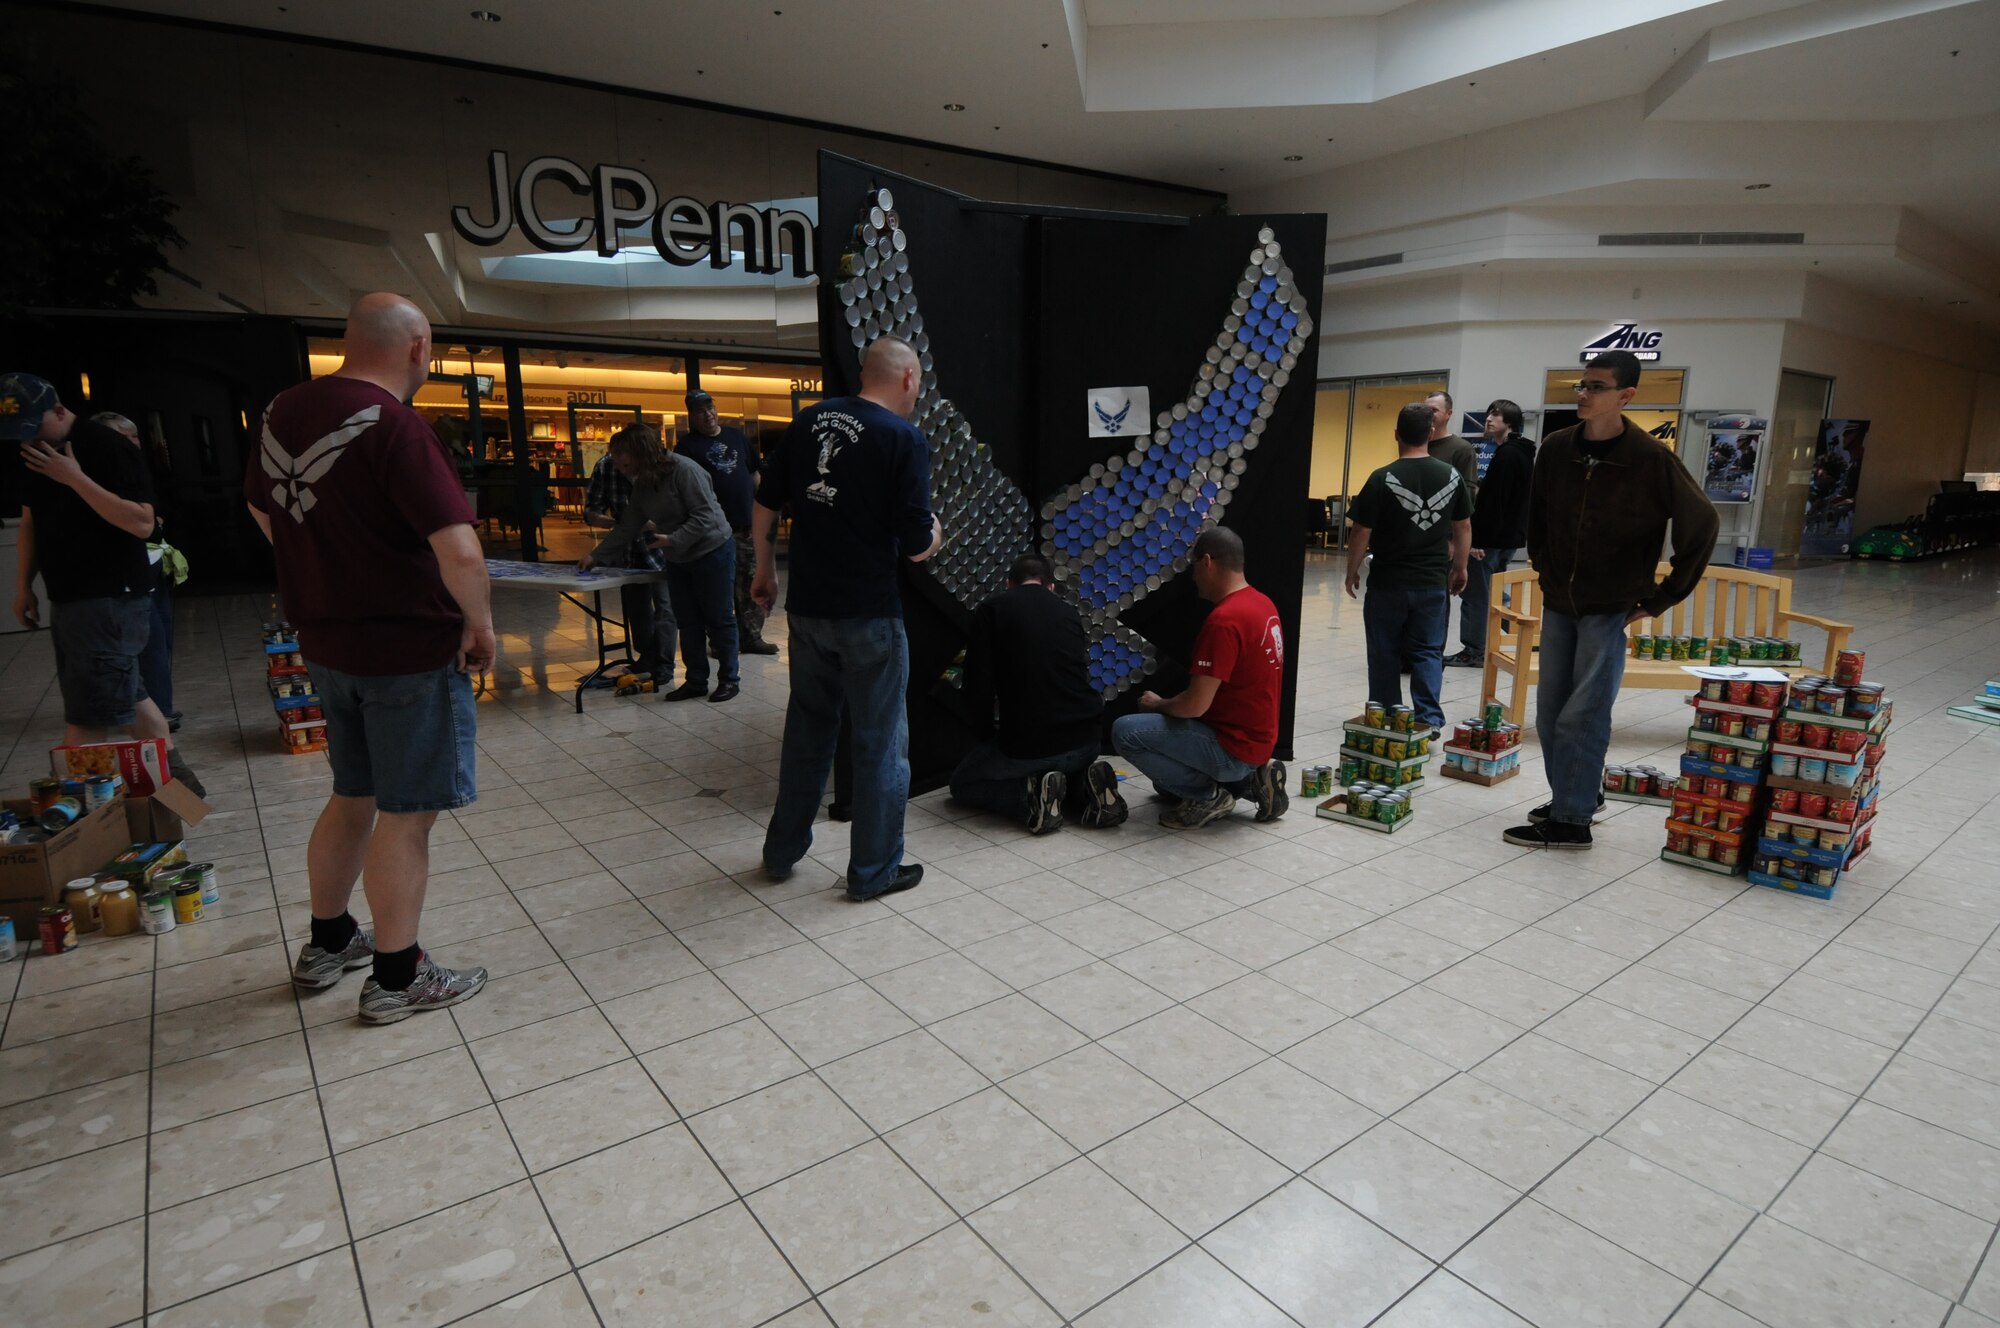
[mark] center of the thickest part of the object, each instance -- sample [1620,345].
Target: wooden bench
[1728,601]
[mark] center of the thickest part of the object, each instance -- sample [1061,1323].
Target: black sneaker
[906,878]
[1549,834]
[1107,806]
[687,691]
[1541,813]
[1045,801]
[174,722]
[180,771]
[1466,659]
[1267,789]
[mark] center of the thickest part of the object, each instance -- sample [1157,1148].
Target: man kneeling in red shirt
[1212,743]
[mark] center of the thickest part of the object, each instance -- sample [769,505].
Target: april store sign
[684,230]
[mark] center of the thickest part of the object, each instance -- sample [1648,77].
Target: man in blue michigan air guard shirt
[856,475]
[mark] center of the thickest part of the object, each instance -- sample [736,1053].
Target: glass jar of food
[118,907]
[80,896]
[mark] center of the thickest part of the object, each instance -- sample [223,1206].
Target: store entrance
[1656,408]
[1354,434]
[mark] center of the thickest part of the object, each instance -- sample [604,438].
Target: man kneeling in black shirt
[1030,661]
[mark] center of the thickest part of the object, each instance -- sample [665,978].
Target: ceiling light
[485,16]
[726,368]
[1294,157]
[1757,186]
[954,106]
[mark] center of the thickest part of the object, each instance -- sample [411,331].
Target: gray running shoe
[1045,801]
[1107,806]
[1267,786]
[318,969]
[434,989]
[1195,815]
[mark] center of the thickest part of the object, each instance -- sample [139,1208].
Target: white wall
[1982,444]
[1920,409]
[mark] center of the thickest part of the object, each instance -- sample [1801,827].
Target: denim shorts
[97,643]
[403,739]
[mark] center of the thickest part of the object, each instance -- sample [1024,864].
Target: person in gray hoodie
[673,499]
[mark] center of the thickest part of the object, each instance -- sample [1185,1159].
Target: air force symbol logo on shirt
[294,473]
[1115,411]
[1424,512]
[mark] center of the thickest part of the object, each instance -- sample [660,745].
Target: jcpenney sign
[684,230]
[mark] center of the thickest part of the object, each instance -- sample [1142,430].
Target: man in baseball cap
[86,514]
[24,400]
[732,463]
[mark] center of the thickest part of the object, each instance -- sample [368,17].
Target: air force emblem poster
[1120,412]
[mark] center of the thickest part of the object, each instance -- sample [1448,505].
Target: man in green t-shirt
[1415,516]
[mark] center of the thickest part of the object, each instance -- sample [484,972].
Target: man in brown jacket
[1604,495]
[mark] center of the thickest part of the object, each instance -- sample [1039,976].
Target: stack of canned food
[1488,731]
[1788,869]
[1316,781]
[1703,848]
[1396,719]
[1723,753]
[301,721]
[1638,781]
[1717,650]
[1740,692]
[1377,802]
[1840,767]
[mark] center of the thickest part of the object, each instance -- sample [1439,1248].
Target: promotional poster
[1734,449]
[1836,476]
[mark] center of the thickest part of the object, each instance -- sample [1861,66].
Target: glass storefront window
[573,401]
[1656,408]
[1657,387]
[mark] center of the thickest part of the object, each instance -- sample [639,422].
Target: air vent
[1654,239]
[1357,264]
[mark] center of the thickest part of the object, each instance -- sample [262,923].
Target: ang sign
[684,230]
[1644,344]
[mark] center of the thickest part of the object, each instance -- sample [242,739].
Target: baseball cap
[700,398]
[24,399]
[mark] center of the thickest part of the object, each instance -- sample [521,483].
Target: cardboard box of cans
[33,875]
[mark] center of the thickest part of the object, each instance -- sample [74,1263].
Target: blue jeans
[403,739]
[649,628]
[1182,757]
[156,661]
[992,781]
[1407,626]
[704,596]
[98,643]
[1583,661]
[1472,601]
[862,666]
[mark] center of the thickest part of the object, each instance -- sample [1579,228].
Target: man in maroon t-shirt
[1212,743]
[380,569]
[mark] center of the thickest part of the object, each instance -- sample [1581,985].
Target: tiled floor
[1261,1075]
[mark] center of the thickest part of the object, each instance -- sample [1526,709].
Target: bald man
[857,477]
[381,571]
